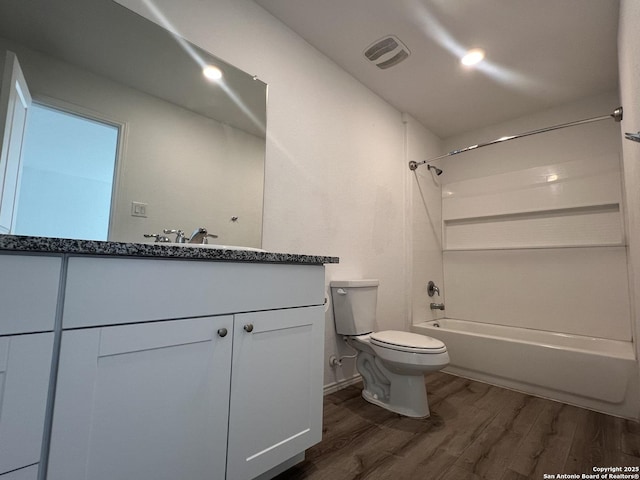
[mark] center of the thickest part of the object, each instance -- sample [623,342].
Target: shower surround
[534,244]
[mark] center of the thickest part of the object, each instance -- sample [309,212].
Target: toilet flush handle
[341,291]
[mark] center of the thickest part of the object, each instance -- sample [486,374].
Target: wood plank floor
[476,431]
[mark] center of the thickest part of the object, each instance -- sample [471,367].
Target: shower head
[435,169]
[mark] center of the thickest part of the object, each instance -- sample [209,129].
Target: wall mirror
[125,135]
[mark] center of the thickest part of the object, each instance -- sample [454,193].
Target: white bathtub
[595,373]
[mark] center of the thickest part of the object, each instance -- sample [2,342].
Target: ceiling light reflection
[432,28]
[212,73]
[187,47]
[472,57]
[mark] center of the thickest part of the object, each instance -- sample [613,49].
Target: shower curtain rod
[616,115]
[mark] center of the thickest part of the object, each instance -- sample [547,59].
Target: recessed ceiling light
[472,57]
[212,73]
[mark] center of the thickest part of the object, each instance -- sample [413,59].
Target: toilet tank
[354,306]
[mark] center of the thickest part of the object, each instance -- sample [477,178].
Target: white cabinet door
[25,365]
[145,402]
[276,388]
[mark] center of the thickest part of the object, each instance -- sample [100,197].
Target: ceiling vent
[387,52]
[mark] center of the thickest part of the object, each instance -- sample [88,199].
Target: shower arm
[616,115]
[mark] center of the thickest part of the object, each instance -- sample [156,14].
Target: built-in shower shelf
[585,226]
[571,204]
[533,247]
[534,213]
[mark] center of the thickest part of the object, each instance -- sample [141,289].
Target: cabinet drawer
[28,293]
[111,291]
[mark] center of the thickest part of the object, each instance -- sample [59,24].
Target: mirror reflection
[125,130]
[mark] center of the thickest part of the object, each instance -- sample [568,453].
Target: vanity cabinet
[28,297]
[214,375]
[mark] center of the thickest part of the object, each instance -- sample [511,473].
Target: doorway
[67,178]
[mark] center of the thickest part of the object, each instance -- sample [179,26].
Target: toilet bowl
[392,363]
[406,352]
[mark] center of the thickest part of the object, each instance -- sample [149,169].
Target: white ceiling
[540,53]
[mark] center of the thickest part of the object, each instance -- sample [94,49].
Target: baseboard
[278,469]
[340,384]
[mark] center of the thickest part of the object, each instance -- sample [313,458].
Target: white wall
[575,143]
[629,60]
[173,159]
[507,209]
[335,168]
[425,259]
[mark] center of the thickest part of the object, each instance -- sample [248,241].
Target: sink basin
[214,246]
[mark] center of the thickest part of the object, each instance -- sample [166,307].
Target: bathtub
[594,373]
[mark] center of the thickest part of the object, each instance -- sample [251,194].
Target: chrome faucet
[180,238]
[436,306]
[200,235]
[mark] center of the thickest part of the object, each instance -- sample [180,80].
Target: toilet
[392,363]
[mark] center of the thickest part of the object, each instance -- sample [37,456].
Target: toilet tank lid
[354,283]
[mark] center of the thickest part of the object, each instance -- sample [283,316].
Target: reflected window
[68,166]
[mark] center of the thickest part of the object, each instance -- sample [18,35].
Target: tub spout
[436,306]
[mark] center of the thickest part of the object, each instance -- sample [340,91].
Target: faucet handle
[206,238]
[159,238]
[432,289]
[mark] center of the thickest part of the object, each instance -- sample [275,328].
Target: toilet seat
[407,342]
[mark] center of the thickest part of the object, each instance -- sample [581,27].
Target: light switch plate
[139,209]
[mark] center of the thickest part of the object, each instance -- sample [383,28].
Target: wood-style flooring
[475,431]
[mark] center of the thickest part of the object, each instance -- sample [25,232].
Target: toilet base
[398,388]
[371,398]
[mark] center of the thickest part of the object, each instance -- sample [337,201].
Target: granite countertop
[19,243]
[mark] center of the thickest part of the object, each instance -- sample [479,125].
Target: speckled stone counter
[18,243]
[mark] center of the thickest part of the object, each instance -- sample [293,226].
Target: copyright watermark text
[599,473]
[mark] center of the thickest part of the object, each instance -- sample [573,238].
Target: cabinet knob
[222,332]
[248,327]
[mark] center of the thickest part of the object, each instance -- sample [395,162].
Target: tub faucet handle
[432,289]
